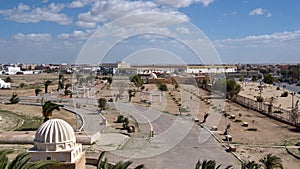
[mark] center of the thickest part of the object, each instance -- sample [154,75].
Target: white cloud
[103,11]
[183,30]
[80,3]
[76,35]
[24,14]
[275,39]
[107,10]
[84,24]
[260,11]
[33,37]
[183,3]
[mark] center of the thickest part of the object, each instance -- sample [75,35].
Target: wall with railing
[285,116]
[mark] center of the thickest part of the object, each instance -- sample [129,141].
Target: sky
[190,31]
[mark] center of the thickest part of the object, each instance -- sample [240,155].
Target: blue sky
[241,31]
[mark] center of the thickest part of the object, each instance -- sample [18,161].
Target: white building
[4,85]
[211,69]
[12,70]
[55,141]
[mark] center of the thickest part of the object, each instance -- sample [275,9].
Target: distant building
[12,70]
[196,69]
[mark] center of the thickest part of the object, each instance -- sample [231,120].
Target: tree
[205,117]
[21,161]
[48,107]
[47,83]
[137,80]
[109,80]
[37,91]
[210,164]
[163,87]
[268,78]
[271,161]
[251,165]
[232,88]
[125,123]
[259,99]
[60,82]
[67,91]
[102,103]
[131,94]
[103,164]
[14,99]
[254,78]
[8,79]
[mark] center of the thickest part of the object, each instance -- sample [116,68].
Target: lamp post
[293,94]
[260,91]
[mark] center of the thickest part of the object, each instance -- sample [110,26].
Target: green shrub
[259,99]
[238,121]
[120,119]
[284,94]
[163,87]
[278,112]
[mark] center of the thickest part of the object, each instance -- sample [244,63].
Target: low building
[12,70]
[198,69]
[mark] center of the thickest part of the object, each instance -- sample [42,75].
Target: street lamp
[293,94]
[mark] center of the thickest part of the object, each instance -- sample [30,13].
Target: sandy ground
[250,90]
[31,82]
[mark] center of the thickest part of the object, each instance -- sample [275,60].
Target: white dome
[54,135]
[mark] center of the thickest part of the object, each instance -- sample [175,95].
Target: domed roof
[55,131]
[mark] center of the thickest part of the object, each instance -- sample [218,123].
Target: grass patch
[29,123]
[252,129]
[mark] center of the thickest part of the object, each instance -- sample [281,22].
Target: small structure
[4,85]
[55,141]
[245,124]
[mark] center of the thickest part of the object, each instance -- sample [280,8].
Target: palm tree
[251,165]
[21,161]
[14,99]
[210,164]
[271,161]
[47,83]
[120,165]
[48,107]
[102,104]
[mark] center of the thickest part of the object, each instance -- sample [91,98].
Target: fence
[285,116]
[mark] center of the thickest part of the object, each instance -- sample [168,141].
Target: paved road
[177,142]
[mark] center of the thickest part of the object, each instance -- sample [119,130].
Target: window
[48,158]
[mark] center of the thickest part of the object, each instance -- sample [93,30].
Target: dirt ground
[30,83]
[250,90]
